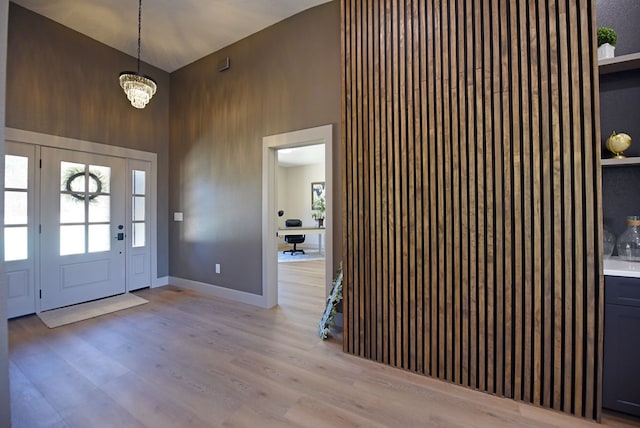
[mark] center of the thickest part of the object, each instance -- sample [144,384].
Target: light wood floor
[184,360]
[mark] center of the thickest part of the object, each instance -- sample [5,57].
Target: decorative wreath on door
[74,175]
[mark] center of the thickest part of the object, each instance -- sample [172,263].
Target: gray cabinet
[621,365]
[620,104]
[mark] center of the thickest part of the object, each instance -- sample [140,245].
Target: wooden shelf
[615,266]
[620,162]
[619,63]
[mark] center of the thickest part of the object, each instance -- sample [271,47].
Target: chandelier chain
[139,30]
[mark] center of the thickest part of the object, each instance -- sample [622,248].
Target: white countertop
[614,266]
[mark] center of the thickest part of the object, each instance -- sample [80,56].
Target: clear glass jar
[629,242]
[608,242]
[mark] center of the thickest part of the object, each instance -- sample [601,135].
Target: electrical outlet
[217,267]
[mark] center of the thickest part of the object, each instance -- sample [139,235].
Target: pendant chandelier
[138,87]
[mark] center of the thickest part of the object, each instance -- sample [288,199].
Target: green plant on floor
[332,303]
[607,35]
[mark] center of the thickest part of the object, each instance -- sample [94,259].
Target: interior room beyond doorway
[301,203]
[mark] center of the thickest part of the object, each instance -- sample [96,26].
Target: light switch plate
[178,216]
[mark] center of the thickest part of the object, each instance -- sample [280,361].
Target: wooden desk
[284,231]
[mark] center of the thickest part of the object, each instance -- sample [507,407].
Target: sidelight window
[16,208]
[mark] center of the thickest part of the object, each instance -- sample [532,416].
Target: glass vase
[608,242]
[629,242]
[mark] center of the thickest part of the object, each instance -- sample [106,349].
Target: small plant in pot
[318,217]
[319,207]
[607,39]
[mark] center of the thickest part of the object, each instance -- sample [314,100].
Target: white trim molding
[217,291]
[270,145]
[160,282]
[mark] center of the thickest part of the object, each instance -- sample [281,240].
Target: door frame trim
[55,141]
[270,146]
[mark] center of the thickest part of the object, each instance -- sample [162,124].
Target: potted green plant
[607,38]
[319,207]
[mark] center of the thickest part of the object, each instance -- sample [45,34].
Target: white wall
[5,417]
[283,178]
[294,195]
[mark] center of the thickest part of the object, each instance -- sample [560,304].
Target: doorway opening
[272,229]
[301,212]
[301,203]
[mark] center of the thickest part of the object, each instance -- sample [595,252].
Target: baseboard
[160,282]
[217,291]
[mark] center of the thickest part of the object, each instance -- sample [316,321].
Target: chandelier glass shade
[138,87]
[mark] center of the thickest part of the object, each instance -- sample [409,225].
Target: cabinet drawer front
[621,371]
[619,290]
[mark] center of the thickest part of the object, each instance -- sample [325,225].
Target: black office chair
[293,239]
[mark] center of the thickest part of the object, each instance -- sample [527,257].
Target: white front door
[82,238]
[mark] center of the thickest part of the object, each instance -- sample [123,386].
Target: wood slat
[464,201]
[591,155]
[384,180]
[497,167]
[507,319]
[456,151]
[433,187]
[377,150]
[417,192]
[516,166]
[560,129]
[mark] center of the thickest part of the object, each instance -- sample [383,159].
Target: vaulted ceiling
[174,32]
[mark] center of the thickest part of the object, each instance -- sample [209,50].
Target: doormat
[84,311]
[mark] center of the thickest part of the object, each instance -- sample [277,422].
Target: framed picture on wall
[317,194]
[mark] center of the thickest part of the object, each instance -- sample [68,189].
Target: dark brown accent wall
[471,194]
[281,79]
[63,83]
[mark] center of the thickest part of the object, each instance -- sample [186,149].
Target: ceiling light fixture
[138,87]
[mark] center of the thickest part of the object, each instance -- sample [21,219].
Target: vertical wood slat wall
[471,194]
